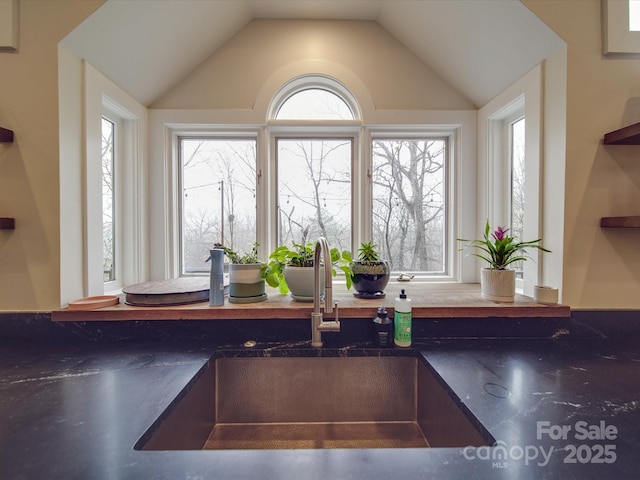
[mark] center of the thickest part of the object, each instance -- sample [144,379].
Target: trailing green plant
[301,256]
[249,257]
[343,260]
[500,250]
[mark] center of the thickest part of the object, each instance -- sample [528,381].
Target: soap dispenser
[382,329]
[402,320]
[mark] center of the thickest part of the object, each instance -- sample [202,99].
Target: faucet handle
[330,325]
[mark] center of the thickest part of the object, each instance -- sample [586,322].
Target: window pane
[409,203]
[314,104]
[517,184]
[314,189]
[108,233]
[218,198]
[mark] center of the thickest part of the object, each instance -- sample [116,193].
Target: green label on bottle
[402,322]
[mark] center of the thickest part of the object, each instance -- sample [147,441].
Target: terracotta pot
[498,285]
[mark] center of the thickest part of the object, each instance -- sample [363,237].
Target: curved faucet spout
[322,247]
[318,325]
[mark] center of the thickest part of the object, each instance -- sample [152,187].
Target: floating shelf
[629,135]
[620,222]
[6,136]
[625,136]
[7,223]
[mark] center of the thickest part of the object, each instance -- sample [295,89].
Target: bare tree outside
[108,234]
[314,174]
[219,197]
[314,188]
[517,184]
[314,104]
[409,195]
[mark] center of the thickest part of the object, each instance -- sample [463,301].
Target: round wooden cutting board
[177,291]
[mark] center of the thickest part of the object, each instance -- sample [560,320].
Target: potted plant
[246,284]
[290,269]
[370,274]
[499,250]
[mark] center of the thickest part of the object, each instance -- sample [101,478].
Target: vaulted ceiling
[479,47]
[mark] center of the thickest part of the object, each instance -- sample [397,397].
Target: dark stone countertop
[76,411]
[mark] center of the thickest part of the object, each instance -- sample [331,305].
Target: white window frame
[171,266]
[267,180]
[513,113]
[117,163]
[452,170]
[167,125]
[125,217]
[305,82]
[326,131]
[102,97]
[216,133]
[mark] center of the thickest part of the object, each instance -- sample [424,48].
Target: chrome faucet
[318,325]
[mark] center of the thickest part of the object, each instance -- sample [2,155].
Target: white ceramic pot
[300,282]
[498,285]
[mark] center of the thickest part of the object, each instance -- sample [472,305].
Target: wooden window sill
[430,300]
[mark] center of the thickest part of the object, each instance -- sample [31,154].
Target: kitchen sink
[294,402]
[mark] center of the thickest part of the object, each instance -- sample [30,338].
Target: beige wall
[601,267]
[29,187]
[234,75]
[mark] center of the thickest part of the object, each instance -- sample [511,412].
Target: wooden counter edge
[206,313]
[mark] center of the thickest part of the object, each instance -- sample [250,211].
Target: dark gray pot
[370,278]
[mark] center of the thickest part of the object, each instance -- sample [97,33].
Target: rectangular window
[409,202]
[393,187]
[517,168]
[108,200]
[218,205]
[314,190]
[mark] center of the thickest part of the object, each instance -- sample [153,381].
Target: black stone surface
[75,411]
[38,328]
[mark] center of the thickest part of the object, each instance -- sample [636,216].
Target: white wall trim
[98,93]
[492,173]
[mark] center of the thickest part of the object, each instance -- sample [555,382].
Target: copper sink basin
[315,402]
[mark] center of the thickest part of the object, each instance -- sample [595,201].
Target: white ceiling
[480,47]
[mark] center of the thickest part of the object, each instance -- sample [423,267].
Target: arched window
[314,104]
[315,161]
[315,169]
[314,97]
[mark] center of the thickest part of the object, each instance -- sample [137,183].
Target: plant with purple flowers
[499,249]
